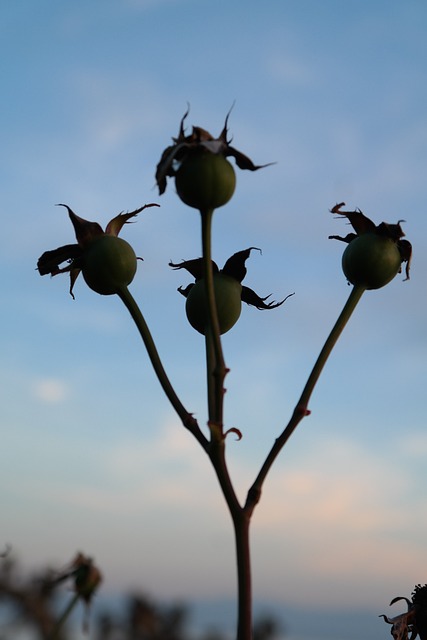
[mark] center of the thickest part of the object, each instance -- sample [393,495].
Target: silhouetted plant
[205,180]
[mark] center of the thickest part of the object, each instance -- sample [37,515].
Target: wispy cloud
[50,390]
[332,514]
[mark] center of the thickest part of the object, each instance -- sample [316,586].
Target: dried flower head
[375,253]
[203,176]
[105,259]
[229,291]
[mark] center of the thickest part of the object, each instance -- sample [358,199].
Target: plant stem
[213,409]
[244,577]
[187,418]
[217,369]
[241,522]
[55,634]
[301,408]
[216,372]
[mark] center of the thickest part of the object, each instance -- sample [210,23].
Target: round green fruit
[371,260]
[109,263]
[205,180]
[228,296]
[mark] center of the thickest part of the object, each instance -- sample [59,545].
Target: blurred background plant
[30,604]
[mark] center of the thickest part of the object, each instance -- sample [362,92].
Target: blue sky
[93,456]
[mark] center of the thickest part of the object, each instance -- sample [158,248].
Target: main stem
[241,522]
[244,575]
[216,372]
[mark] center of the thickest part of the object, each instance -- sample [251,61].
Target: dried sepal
[194,267]
[115,225]
[199,139]
[184,291]
[359,222]
[402,626]
[412,623]
[363,225]
[253,299]
[235,267]
[236,264]
[86,233]
[49,261]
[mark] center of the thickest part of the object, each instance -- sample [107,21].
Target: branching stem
[216,372]
[215,448]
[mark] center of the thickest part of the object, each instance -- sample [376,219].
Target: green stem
[187,419]
[218,371]
[55,634]
[211,386]
[301,408]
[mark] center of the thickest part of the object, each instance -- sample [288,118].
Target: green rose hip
[371,261]
[109,263]
[228,292]
[205,180]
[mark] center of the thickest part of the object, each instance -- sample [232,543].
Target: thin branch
[187,418]
[301,409]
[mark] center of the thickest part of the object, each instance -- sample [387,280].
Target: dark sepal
[195,267]
[186,291]
[49,261]
[251,298]
[360,223]
[235,266]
